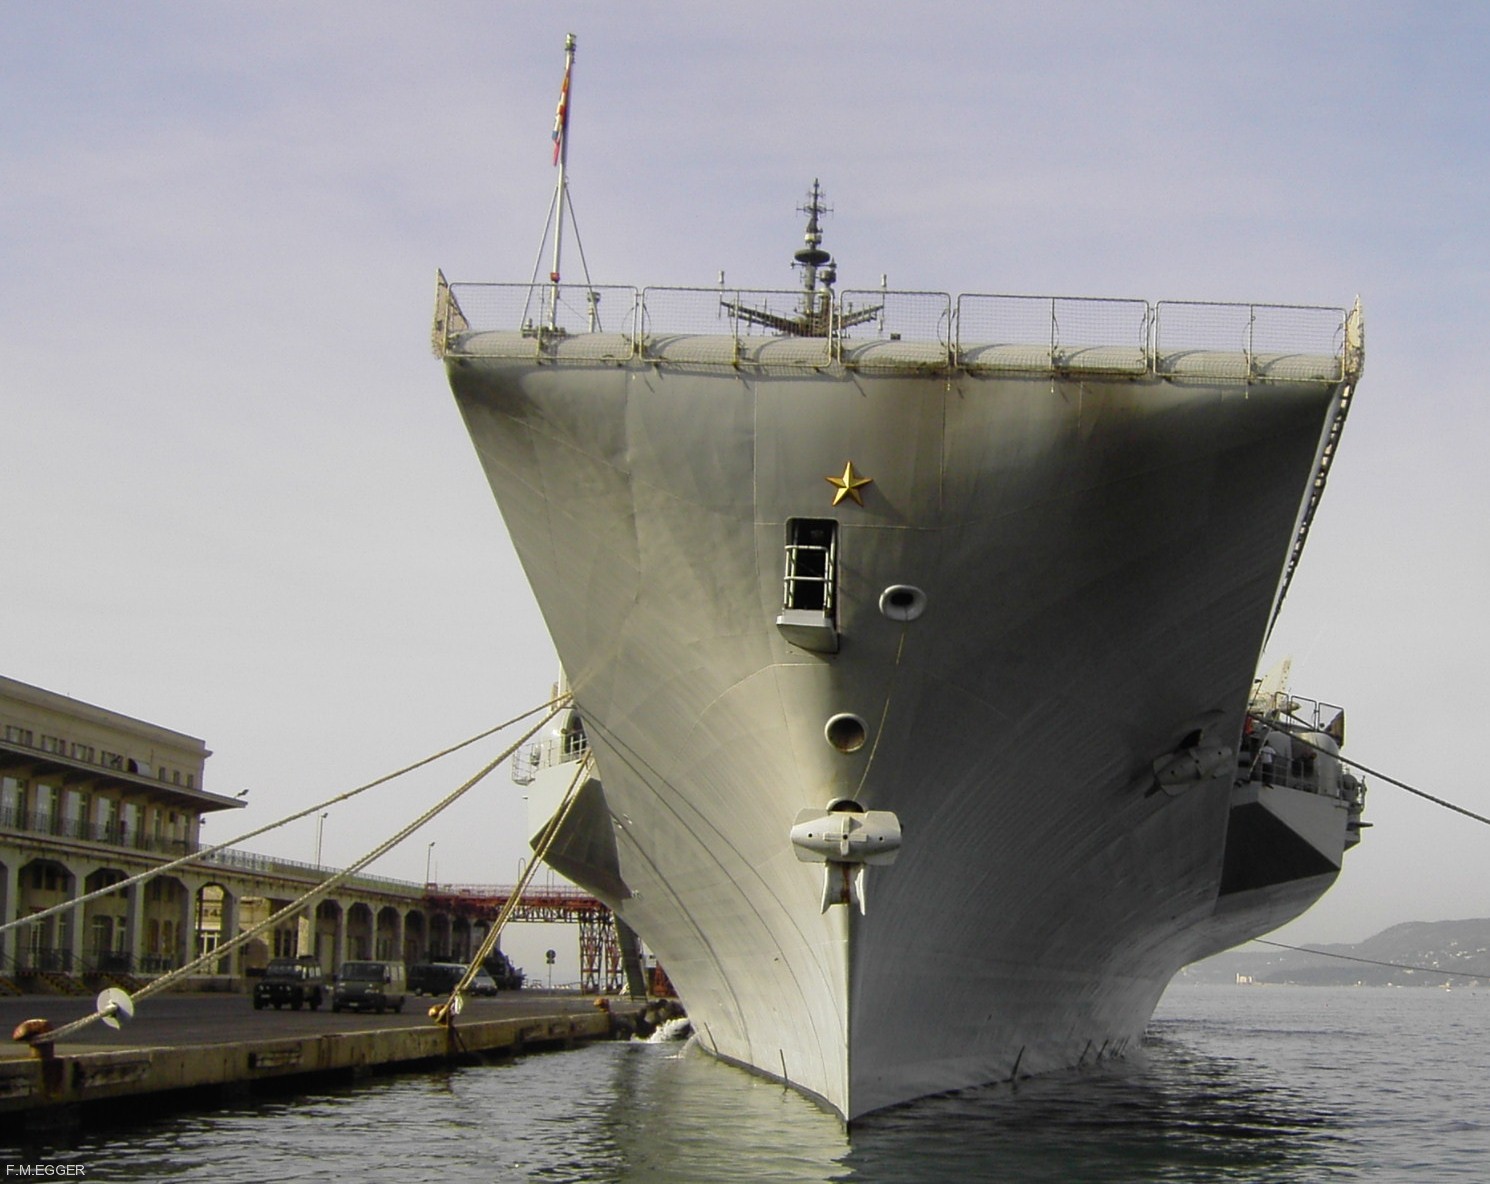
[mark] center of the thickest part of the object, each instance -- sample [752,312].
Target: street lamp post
[320,827]
[428,855]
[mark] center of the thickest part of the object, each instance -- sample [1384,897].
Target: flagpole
[561,159]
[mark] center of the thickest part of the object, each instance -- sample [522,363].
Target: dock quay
[199,1050]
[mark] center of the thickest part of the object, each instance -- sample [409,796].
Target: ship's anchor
[845,838]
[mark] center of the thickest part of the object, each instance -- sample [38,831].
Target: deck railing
[115,834]
[545,753]
[885,328]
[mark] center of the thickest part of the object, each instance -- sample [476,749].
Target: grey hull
[1100,559]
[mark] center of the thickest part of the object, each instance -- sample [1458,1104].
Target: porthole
[846,732]
[902,602]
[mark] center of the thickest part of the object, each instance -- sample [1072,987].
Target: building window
[72,814]
[811,565]
[82,752]
[286,943]
[44,818]
[12,802]
[129,823]
[112,760]
[17,735]
[106,819]
[53,744]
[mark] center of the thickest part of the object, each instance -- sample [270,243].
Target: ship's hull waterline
[1099,556]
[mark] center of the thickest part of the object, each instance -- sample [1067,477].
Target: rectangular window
[17,735]
[129,823]
[106,819]
[72,814]
[811,565]
[12,802]
[44,818]
[82,752]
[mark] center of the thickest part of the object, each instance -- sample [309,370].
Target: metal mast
[815,317]
[812,257]
[561,192]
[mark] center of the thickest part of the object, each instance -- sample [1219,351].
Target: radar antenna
[814,316]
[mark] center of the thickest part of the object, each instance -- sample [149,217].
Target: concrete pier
[199,1049]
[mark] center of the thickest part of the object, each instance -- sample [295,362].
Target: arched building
[90,798]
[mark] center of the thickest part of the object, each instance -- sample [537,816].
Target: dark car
[434,978]
[296,981]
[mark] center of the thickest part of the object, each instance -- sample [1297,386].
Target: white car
[483,984]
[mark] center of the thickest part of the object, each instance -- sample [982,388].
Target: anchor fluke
[845,838]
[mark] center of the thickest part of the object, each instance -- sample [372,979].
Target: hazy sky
[237,499]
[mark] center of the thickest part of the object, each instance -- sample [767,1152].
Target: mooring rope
[204,852]
[441,1013]
[1370,961]
[1295,734]
[1414,790]
[309,898]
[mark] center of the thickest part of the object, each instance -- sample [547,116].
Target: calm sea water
[1233,1083]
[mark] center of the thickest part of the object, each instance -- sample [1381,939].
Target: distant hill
[1440,953]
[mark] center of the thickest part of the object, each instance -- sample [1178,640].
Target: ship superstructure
[913,638]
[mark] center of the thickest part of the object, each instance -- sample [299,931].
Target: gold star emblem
[848,485]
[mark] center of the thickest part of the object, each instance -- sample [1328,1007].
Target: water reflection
[672,1115]
[1166,1114]
[1163,1115]
[677,1115]
[1228,1088]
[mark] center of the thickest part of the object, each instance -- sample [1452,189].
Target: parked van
[434,978]
[370,986]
